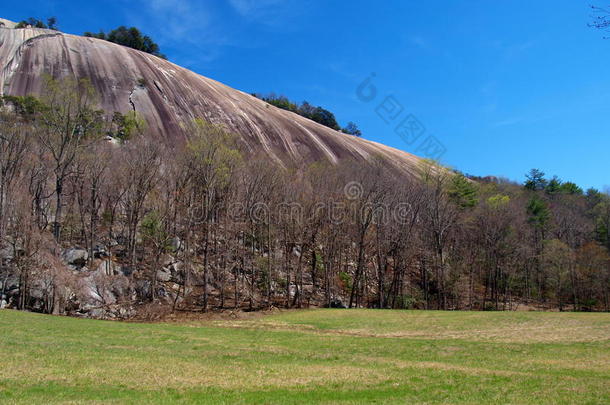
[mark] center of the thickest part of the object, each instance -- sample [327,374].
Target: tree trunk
[58,211]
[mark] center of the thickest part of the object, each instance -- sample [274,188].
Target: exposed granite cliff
[167,95]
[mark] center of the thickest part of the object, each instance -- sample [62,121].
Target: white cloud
[176,22]
[207,26]
[179,18]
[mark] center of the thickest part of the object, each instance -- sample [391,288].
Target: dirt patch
[159,313]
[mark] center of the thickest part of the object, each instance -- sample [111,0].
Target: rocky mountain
[166,95]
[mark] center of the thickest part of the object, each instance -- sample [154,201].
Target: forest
[99,218]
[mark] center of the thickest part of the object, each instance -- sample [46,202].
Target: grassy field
[317,356]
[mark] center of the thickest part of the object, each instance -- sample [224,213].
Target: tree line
[130,37]
[51,23]
[304,109]
[203,224]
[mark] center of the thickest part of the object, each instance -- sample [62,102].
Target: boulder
[142,289]
[75,256]
[9,250]
[6,253]
[97,313]
[161,292]
[176,244]
[296,251]
[125,312]
[164,275]
[97,289]
[336,303]
[100,251]
[9,283]
[168,260]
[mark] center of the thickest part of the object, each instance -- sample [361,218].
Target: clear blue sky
[505,85]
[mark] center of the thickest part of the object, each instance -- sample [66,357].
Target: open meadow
[311,356]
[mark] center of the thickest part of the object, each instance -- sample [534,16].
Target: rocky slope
[167,95]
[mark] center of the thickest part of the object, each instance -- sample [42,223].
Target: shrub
[26,106]
[36,23]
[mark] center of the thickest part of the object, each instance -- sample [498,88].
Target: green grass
[318,356]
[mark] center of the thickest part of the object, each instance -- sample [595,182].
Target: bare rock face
[75,257]
[7,23]
[166,95]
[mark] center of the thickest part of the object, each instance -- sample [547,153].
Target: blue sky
[505,86]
